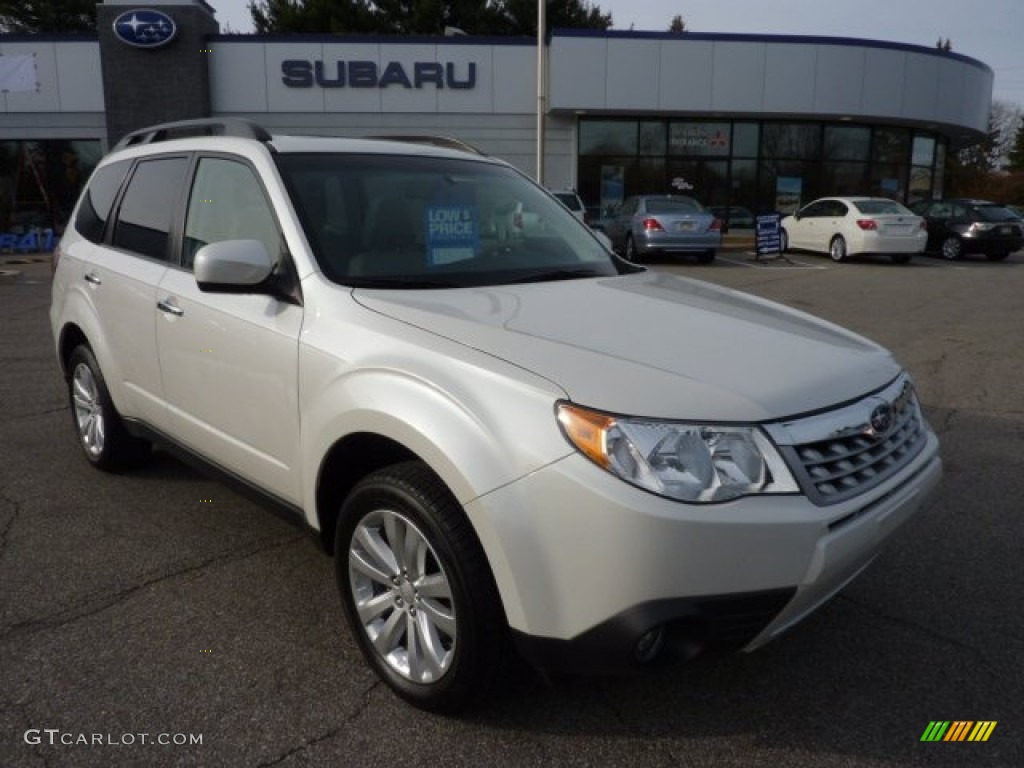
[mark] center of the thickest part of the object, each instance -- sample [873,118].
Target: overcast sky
[991,31]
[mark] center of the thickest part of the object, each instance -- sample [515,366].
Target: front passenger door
[230,360]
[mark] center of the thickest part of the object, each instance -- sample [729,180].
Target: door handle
[92,277]
[168,306]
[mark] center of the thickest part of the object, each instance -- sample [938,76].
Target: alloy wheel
[837,249]
[88,410]
[403,596]
[952,248]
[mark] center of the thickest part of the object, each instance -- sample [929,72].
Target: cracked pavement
[162,602]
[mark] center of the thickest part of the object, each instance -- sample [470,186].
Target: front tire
[101,432]
[631,252]
[783,241]
[1001,256]
[837,249]
[417,590]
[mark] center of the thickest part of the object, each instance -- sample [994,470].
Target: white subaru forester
[508,437]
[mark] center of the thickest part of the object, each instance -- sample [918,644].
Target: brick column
[144,86]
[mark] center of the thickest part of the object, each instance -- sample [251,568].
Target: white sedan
[849,226]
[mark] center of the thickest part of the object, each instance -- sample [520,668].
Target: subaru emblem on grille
[880,420]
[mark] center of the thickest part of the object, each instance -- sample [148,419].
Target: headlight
[689,462]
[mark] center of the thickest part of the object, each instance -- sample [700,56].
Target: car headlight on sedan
[687,462]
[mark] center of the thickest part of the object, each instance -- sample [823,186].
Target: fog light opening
[650,644]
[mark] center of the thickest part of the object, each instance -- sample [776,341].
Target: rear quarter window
[98,200]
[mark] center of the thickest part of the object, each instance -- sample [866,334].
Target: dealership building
[745,122]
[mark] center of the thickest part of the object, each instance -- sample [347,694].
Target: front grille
[848,460]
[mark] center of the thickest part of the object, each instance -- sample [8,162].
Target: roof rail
[204,126]
[446,142]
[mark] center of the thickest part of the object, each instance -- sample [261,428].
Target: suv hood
[651,344]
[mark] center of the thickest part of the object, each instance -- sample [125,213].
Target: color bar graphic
[958,730]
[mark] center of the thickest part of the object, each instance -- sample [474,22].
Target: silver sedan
[647,224]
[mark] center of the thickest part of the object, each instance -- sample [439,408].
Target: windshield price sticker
[453,233]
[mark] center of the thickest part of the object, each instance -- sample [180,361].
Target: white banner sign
[18,74]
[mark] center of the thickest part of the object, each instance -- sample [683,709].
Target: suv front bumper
[588,565]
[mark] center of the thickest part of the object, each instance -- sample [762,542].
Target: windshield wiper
[557,274]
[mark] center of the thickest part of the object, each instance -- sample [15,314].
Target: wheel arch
[349,460]
[71,336]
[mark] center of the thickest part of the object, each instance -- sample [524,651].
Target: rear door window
[147,209]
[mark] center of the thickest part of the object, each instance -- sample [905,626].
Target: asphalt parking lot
[162,603]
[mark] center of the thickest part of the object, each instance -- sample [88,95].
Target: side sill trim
[278,507]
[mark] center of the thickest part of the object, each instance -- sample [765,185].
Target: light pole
[541,86]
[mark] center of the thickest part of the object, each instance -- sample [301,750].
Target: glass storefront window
[649,176]
[920,184]
[756,166]
[799,141]
[938,190]
[705,180]
[699,139]
[40,182]
[891,145]
[786,185]
[652,138]
[887,180]
[608,137]
[844,178]
[847,142]
[924,151]
[745,137]
[743,185]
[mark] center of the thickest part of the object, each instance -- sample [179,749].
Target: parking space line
[771,264]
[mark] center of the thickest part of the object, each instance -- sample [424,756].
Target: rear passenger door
[230,360]
[121,277]
[831,224]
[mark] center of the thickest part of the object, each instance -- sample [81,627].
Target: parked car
[853,226]
[734,216]
[647,224]
[958,227]
[572,201]
[500,437]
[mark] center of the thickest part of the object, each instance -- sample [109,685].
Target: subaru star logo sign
[144,28]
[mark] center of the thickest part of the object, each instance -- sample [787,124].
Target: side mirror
[232,266]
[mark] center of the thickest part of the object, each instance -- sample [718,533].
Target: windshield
[429,222]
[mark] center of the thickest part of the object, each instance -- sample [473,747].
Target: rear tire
[900,258]
[952,248]
[837,249]
[417,590]
[707,257]
[1001,256]
[101,432]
